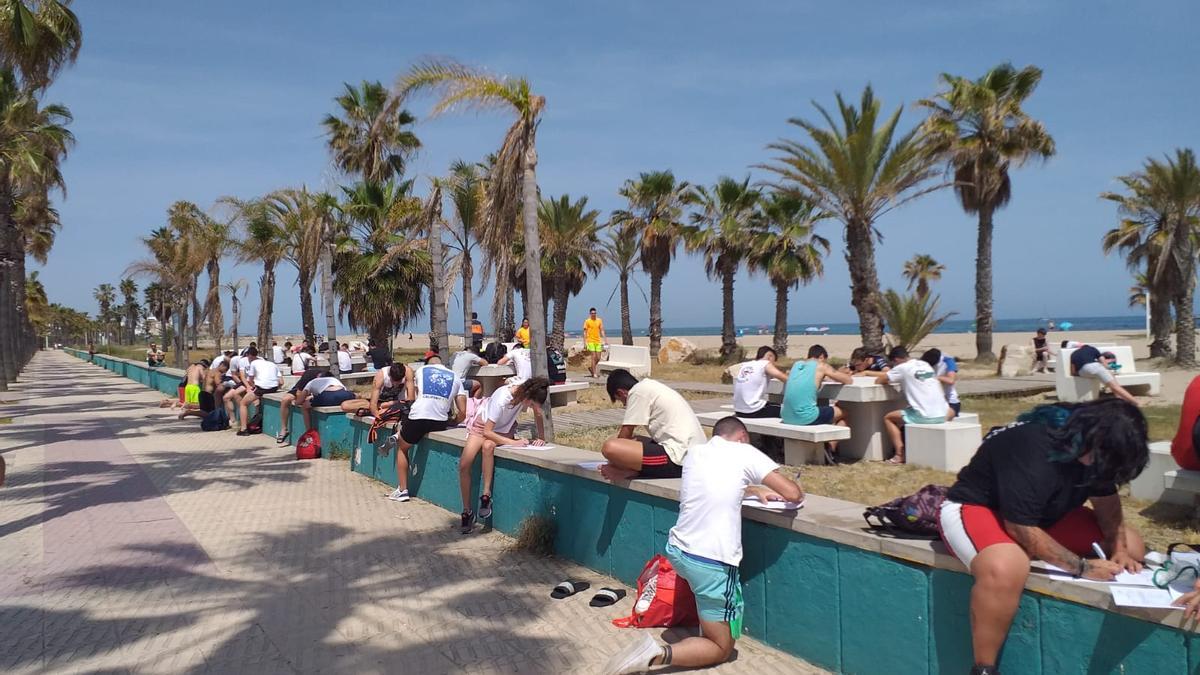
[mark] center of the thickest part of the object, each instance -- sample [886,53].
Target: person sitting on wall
[324,391]
[668,418]
[393,383]
[1022,498]
[705,546]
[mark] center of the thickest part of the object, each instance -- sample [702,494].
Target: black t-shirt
[1012,474]
[1039,343]
[380,357]
[1083,356]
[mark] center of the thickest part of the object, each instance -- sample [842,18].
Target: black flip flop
[607,596]
[568,588]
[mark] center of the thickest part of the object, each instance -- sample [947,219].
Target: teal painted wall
[838,607]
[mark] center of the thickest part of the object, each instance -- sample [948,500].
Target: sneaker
[634,658]
[468,522]
[398,495]
[485,506]
[281,438]
[243,432]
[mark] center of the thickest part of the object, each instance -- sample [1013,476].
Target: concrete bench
[801,444]
[946,447]
[566,393]
[633,358]
[1073,389]
[1164,481]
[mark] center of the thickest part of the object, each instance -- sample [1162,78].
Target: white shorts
[1096,371]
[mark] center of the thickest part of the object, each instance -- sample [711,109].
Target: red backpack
[309,445]
[664,599]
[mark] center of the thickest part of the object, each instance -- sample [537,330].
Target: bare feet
[612,473]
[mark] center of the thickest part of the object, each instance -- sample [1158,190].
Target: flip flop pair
[603,598]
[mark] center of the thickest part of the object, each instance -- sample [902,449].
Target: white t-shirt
[750,386]
[320,385]
[300,362]
[921,387]
[501,411]
[437,387]
[345,365]
[715,477]
[237,365]
[217,361]
[522,364]
[666,415]
[464,361]
[265,373]
[277,354]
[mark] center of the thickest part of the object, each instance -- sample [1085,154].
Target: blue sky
[193,101]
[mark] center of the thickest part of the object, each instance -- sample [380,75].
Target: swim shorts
[191,394]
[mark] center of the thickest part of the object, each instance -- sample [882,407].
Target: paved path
[130,542]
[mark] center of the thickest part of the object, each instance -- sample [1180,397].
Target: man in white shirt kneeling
[705,546]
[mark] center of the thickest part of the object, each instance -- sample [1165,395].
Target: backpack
[664,599]
[494,352]
[254,426]
[391,415]
[556,366]
[217,420]
[915,515]
[309,445]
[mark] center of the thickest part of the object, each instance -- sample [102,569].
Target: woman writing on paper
[1022,498]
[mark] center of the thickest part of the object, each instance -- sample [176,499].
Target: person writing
[666,415]
[926,399]
[1022,498]
[1089,362]
[750,380]
[438,400]
[863,362]
[593,340]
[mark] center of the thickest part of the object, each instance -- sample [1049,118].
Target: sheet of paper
[526,447]
[1136,596]
[773,506]
[593,466]
[1143,578]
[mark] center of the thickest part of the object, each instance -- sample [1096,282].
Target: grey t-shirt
[464,361]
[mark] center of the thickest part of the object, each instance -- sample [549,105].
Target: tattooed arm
[1041,546]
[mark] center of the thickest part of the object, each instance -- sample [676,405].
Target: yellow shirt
[591,330]
[523,335]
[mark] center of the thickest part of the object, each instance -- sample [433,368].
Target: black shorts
[260,392]
[768,410]
[207,402]
[824,414]
[412,431]
[656,463]
[956,407]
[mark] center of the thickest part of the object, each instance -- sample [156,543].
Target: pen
[1099,551]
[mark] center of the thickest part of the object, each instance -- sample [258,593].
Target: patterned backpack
[914,515]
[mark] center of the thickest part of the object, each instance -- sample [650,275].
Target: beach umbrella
[1065,325]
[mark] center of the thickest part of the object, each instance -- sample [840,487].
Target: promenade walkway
[131,542]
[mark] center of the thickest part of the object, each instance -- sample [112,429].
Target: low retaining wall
[816,585]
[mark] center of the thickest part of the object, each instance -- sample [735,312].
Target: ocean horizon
[1075,323]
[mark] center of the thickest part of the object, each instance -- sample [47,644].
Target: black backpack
[215,420]
[556,366]
[916,515]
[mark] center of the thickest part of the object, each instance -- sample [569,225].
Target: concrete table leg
[799,453]
[868,439]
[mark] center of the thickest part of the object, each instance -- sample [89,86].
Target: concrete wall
[816,585]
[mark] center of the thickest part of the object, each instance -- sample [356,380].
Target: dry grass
[535,535]
[1162,419]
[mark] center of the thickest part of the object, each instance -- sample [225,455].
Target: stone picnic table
[865,404]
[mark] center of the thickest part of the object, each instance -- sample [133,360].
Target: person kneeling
[666,415]
[1021,498]
[705,546]
[492,426]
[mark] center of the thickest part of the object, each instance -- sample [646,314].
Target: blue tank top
[800,394]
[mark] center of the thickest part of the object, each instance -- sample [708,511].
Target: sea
[1074,323]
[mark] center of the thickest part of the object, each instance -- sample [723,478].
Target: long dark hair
[1112,429]
[534,389]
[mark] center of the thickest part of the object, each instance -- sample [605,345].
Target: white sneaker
[398,495]
[634,658]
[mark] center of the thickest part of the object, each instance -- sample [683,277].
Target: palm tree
[174,267]
[371,139]
[789,251]
[432,225]
[235,289]
[920,270]
[655,213]
[466,189]
[37,304]
[105,295]
[980,130]
[38,39]
[1164,201]
[211,240]
[857,169]
[329,212]
[1141,241]
[262,241]
[571,250]
[911,318]
[513,180]
[129,306]
[299,218]
[159,307]
[621,251]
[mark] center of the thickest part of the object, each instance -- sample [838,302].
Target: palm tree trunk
[327,300]
[533,269]
[984,322]
[468,303]
[309,323]
[561,297]
[780,341]
[1185,321]
[656,279]
[626,325]
[181,332]
[507,328]
[728,334]
[1161,325]
[864,284]
[437,310]
[196,312]
[216,318]
[236,309]
[6,323]
[922,288]
[266,303]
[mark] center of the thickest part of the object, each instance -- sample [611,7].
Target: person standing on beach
[1041,351]
[523,332]
[926,399]
[476,332]
[593,339]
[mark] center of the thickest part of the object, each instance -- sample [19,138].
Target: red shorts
[967,529]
